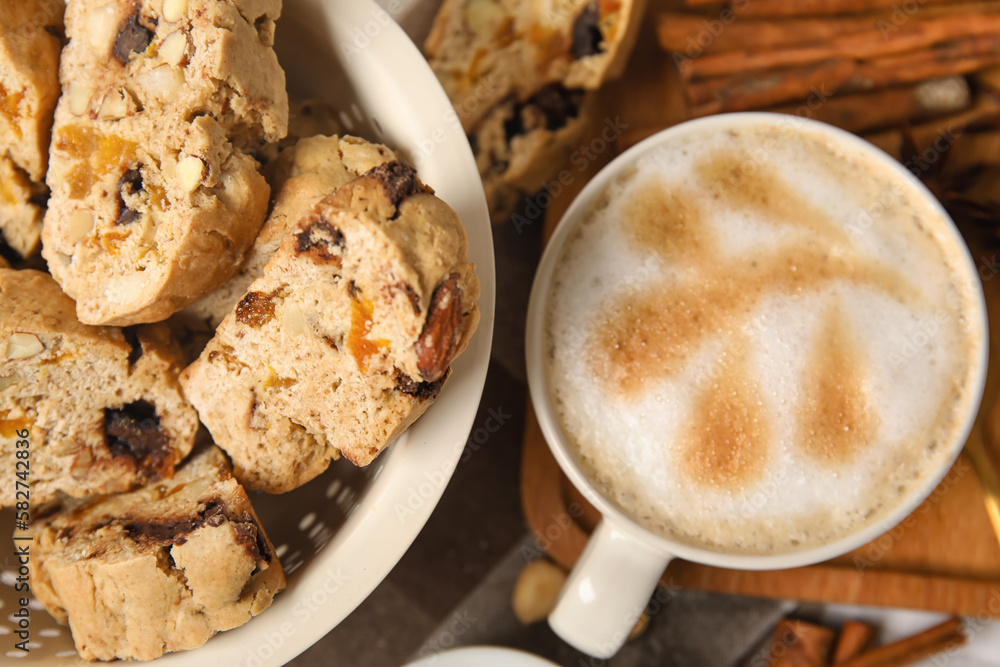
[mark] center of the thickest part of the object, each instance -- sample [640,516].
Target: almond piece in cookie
[159,569]
[345,339]
[103,406]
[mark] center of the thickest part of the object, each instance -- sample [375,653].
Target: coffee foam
[754,415]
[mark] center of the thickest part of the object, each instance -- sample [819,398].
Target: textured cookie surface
[155,197]
[159,569]
[30,42]
[168,60]
[486,51]
[104,406]
[301,175]
[347,337]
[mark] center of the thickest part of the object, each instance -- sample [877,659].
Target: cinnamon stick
[985,188]
[865,45]
[764,89]
[959,56]
[854,639]
[841,75]
[864,112]
[799,644]
[989,78]
[985,107]
[975,149]
[696,35]
[943,637]
[809,7]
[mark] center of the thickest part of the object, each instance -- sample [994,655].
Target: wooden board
[946,560]
[945,557]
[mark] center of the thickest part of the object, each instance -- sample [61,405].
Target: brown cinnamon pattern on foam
[669,224]
[648,334]
[727,440]
[836,419]
[745,183]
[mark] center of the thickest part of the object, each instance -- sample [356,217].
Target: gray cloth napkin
[687,628]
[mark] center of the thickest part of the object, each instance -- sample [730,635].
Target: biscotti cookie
[301,176]
[520,147]
[347,337]
[157,570]
[155,197]
[30,43]
[104,406]
[486,51]
[141,234]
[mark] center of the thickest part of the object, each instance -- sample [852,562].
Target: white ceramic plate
[482,656]
[341,534]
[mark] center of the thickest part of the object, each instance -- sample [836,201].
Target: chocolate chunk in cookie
[133,37]
[399,180]
[587,37]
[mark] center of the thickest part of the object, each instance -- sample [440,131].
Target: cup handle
[607,591]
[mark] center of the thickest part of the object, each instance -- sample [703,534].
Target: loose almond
[640,626]
[536,591]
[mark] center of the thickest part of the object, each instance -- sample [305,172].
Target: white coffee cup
[623,561]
